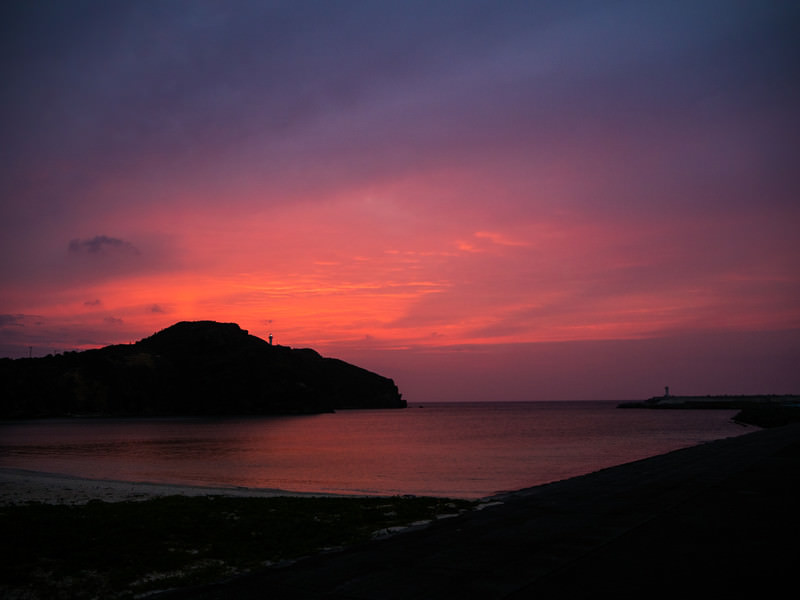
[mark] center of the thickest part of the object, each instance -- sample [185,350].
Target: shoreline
[20,486]
[716,518]
[728,504]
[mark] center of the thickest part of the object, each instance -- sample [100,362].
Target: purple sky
[482,200]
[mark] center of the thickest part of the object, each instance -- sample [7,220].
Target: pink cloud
[564,176]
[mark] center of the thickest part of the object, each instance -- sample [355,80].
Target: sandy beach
[18,486]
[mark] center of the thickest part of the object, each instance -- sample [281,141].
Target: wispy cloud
[500,239]
[532,172]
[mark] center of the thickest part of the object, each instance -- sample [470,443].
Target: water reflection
[465,450]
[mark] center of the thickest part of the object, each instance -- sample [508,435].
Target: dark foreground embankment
[720,518]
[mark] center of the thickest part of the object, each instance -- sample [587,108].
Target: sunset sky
[483,200]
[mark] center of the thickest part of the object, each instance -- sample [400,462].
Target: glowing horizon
[480,178]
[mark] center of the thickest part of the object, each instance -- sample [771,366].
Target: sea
[458,450]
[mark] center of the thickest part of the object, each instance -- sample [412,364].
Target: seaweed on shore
[125,549]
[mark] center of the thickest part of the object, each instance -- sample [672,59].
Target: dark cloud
[96,302]
[113,321]
[361,81]
[104,257]
[214,88]
[102,244]
[12,320]
[20,334]
[157,309]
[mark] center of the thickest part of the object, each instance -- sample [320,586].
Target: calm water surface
[457,450]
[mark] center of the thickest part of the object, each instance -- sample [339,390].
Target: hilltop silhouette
[190,368]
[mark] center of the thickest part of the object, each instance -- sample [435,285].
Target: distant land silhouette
[190,368]
[763,410]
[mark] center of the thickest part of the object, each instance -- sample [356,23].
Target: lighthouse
[270,339]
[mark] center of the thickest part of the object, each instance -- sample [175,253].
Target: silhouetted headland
[190,368]
[763,410]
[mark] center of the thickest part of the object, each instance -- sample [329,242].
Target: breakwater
[763,410]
